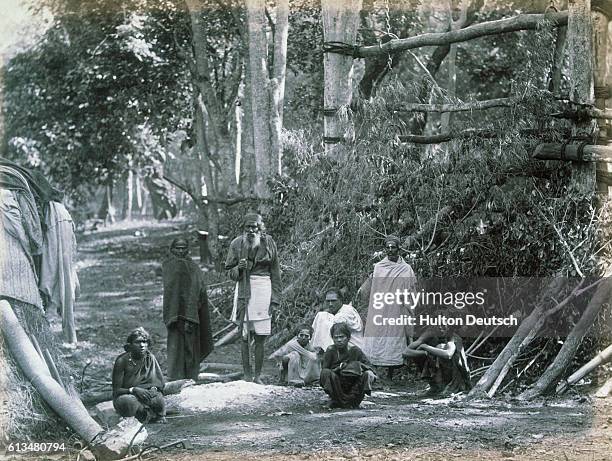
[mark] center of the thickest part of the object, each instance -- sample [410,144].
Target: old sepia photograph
[306,230]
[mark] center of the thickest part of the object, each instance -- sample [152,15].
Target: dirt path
[121,290]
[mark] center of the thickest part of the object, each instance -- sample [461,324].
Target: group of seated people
[330,352]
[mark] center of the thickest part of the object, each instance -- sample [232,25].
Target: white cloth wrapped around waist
[259,302]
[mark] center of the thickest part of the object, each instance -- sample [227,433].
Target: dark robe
[448,376]
[344,376]
[144,374]
[186,316]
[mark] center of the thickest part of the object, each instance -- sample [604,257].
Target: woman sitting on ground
[138,380]
[298,361]
[445,366]
[346,375]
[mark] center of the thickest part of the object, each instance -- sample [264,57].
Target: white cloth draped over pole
[340,24]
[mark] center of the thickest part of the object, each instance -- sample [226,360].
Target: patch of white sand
[233,395]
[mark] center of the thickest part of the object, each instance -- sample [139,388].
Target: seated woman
[345,372]
[298,361]
[445,366]
[138,380]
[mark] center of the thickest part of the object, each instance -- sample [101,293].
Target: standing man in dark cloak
[186,313]
[252,262]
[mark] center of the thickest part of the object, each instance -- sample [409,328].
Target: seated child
[298,361]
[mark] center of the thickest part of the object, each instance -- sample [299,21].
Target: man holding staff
[252,262]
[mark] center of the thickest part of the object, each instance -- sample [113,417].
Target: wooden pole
[501,26]
[579,46]
[340,23]
[603,357]
[571,152]
[601,18]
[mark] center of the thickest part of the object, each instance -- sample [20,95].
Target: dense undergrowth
[475,207]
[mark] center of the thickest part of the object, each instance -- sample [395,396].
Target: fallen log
[93,398]
[223,330]
[601,358]
[171,387]
[229,338]
[217,378]
[219,366]
[572,152]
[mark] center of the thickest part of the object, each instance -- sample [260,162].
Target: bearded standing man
[252,262]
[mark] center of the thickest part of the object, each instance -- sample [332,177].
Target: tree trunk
[107,210]
[572,342]
[215,116]
[340,23]
[556,72]
[260,87]
[267,94]
[579,37]
[129,196]
[138,189]
[600,77]
[248,170]
[279,71]
[452,59]
[208,216]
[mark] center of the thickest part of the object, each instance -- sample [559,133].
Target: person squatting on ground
[138,380]
[298,361]
[334,311]
[252,262]
[185,313]
[445,365]
[384,344]
[346,375]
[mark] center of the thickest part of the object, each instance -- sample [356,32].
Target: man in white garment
[385,344]
[334,311]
